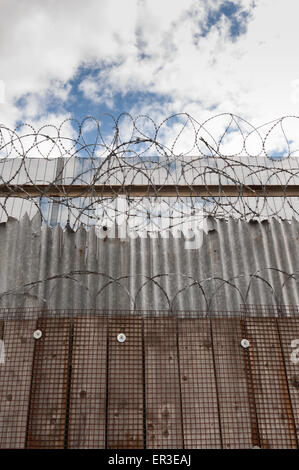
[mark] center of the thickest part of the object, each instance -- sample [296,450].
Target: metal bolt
[245,343]
[121,337]
[37,334]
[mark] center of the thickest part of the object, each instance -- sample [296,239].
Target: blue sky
[67,59]
[81,104]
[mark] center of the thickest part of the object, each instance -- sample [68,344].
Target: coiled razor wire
[153,177]
[241,286]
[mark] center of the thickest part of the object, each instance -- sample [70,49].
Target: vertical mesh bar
[289,340]
[162,384]
[87,416]
[125,384]
[15,382]
[198,382]
[276,425]
[48,404]
[231,378]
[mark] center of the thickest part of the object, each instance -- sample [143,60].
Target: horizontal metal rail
[102,190]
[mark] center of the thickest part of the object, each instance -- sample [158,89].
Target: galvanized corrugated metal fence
[237,262]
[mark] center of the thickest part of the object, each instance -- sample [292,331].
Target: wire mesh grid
[274,410]
[148,380]
[87,412]
[47,407]
[125,384]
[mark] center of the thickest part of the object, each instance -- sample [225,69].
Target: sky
[72,59]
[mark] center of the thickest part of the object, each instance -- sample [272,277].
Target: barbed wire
[154,176]
[240,286]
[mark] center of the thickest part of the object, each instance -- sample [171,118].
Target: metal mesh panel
[49,381]
[201,424]
[236,415]
[274,411]
[15,382]
[136,380]
[87,413]
[162,384]
[125,384]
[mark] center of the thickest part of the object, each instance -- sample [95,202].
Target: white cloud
[151,46]
[96,91]
[43,43]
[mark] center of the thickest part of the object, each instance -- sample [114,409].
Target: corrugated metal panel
[139,170]
[238,262]
[154,172]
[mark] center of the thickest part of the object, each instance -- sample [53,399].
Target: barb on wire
[153,177]
[171,288]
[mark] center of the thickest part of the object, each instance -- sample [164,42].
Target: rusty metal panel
[162,384]
[15,382]
[171,380]
[289,338]
[201,423]
[236,413]
[48,404]
[274,411]
[125,384]
[87,415]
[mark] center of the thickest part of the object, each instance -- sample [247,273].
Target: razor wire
[169,288]
[120,155]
